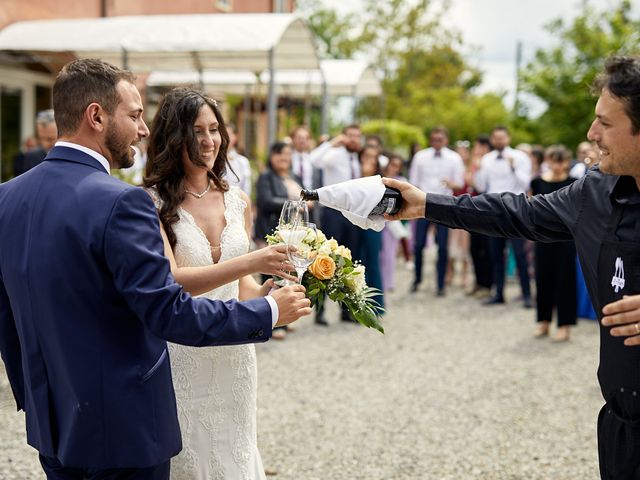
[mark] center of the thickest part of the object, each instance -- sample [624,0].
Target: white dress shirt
[495,174]
[337,163]
[241,175]
[302,167]
[430,168]
[99,157]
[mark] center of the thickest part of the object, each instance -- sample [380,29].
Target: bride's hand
[266,287]
[273,260]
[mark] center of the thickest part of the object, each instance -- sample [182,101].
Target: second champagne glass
[301,237]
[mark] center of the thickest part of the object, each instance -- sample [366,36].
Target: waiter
[601,212]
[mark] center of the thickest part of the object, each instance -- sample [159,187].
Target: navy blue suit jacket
[87,301]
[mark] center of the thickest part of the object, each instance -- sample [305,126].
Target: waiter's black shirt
[580,211]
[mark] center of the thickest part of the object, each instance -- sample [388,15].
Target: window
[280,6]
[225,5]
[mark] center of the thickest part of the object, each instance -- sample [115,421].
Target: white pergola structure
[335,78]
[199,43]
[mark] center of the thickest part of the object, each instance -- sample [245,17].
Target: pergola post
[356,103]
[272,105]
[324,109]
[246,107]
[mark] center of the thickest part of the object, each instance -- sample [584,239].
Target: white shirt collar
[103,161]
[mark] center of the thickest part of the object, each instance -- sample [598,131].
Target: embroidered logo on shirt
[617,282]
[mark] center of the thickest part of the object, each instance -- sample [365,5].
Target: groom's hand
[413,200]
[292,304]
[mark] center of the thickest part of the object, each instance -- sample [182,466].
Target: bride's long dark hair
[172,128]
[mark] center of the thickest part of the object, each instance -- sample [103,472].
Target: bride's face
[207,133]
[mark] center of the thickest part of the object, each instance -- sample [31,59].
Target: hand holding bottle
[413,200]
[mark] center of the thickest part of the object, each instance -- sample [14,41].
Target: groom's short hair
[81,83]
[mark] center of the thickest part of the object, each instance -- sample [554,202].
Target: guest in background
[538,165]
[394,234]
[479,243]
[555,262]
[582,161]
[28,144]
[300,162]
[376,141]
[46,135]
[371,243]
[275,186]
[436,169]
[239,171]
[459,239]
[301,167]
[505,170]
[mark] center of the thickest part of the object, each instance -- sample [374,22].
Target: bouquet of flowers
[333,273]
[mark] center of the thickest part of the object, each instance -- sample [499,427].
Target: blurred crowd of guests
[475,262]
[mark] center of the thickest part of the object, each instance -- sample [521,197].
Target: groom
[87,299]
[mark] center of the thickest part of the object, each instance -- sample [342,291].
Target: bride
[205,227]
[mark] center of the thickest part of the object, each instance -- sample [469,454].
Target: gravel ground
[453,390]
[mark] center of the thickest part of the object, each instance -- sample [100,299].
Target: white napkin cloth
[355,199]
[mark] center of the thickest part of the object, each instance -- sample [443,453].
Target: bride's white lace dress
[216,387]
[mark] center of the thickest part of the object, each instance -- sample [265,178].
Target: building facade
[25,86]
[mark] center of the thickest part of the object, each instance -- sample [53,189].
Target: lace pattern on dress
[216,387]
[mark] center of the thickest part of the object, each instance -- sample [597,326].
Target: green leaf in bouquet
[366,317]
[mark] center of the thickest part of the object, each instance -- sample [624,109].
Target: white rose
[325,249]
[359,277]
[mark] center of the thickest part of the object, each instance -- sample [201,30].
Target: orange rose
[323,267]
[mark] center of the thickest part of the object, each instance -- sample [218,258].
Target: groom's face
[126,127]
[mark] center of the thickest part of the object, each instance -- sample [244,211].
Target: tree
[425,77]
[561,76]
[335,34]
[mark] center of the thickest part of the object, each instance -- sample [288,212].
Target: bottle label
[386,205]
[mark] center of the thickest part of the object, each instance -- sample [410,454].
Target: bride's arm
[198,280]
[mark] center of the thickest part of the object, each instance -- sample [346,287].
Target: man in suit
[46,133]
[87,299]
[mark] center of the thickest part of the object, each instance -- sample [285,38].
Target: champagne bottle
[390,203]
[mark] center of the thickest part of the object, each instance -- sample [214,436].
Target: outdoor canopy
[253,42]
[173,42]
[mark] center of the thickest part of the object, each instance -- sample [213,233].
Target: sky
[495,27]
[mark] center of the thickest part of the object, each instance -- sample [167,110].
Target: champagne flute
[300,254]
[293,212]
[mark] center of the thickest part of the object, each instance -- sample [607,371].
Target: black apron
[619,371]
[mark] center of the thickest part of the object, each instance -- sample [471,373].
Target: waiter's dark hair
[81,83]
[621,77]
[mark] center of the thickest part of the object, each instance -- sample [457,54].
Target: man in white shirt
[239,172]
[437,169]
[300,161]
[505,170]
[339,162]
